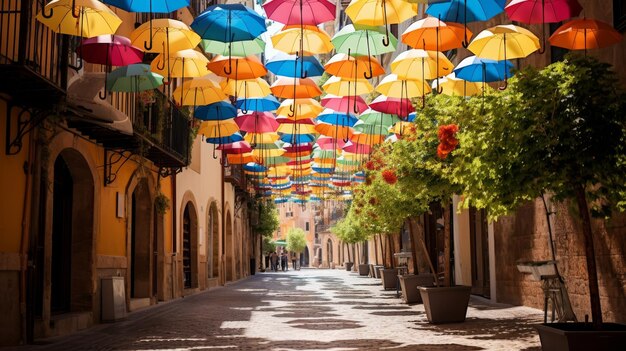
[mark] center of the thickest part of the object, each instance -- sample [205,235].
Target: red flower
[373,201]
[370,165]
[447,140]
[390,176]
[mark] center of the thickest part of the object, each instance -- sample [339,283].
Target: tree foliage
[296,240]
[268,219]
[268,244]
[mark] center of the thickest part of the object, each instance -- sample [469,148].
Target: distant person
[283,261]
[267,260]
[274,259]
[294,258]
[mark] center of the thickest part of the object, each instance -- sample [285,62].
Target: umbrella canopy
[542,11]
[264,104]
[154,6]
[246,88]
[372,129]
[394,86]
[257,122]
[361,40]
[380,12]
[261,138]
[367,139]
[293,66]
[229,23]
[583,34]
[344,103]
[464,11]
[296,128]
[421,64]
[109,49]
[237,67]
[346,66]
[181,64]
[336,118]
[216,111]
[476,69]
[199,91]
[225,140]
[300,108]
[335,131]
[391,106]
[309,39]
[82,18]
[450,85]
[218,129]
[241,159]
[240,48]
[306,12]
[133,78]
[238,147]
[431,33]
[292,88]
[164,35]
[343,87]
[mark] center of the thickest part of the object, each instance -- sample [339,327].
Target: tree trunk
[390,245]
[383,250]
[375,249]
[446,245]
[348,248]
[592,274]
[353,255]
[413,232]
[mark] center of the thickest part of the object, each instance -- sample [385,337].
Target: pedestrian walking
[283,261]
[294,258]
[274,259]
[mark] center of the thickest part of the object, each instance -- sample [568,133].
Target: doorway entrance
[190,247]
[479,247]
[140,241]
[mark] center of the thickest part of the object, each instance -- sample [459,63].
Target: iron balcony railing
[234,174]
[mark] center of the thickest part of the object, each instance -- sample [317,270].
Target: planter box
[377,273]
[348,266]
[410,283]
[389,278]
[581,336]
[446,304]
[371,268]
[364,269]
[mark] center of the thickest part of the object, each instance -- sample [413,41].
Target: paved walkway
[306,310]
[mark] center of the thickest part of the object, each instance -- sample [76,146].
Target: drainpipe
[174,215]
[223,258]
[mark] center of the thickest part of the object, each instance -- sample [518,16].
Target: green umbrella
[370,116]
[372,129]
[360,40]
[324,153]
[133,78]
[238,48]
[345,162]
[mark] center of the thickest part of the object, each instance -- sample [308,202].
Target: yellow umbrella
[164,35]
[347,87]
[199,91]
[307,39]
[246,88]
[504,42]
[185,63]
[82,18]
[300,129]
[380,13]
[304,108]
[261,138]
[262,153]
[450,85]
[218,129]
[393,86]
[346,66]
[421,65]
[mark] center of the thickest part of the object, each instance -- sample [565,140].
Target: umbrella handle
[543,28]
[386,38]
[371,73]
[465,42]
[506,76]
[160,65]
[75,15]
[44,14]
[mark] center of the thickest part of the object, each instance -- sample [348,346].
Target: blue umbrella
[411,117]
[464,11]
[281,200]
[225,140]
[289,66]
[264,104]
[337,118]
[217,111]
[298,138]
[476,69]
[254,167]
[152,6]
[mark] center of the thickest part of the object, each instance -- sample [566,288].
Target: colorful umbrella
[133,78]
[238,147]
[394,86]
[303,108]
[476,69]
[180,64]
[304,12]
[164,35]
[264,104]
[199,91]
[336,118]
[82,18]
[380,13]
[391,106]
[343,87]
[542,11]
[344,103]
[257,122]
[421,64]
[583,34]
[453,86]
[431,33]
[346,66]
[240,48]
[305,40]
[503,42]
[248,88]
[292,88]
[217,111]
[360,40]
[225,140]
[213,129]
[245,67]
[293,66]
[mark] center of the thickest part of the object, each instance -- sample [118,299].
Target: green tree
[296,240]
[559,130]
[268,219]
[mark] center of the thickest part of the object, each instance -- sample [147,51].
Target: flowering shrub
[389,176]
[447,140]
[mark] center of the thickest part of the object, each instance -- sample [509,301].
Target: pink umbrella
[330,143]
[257,122]
[239,147]
[344,103]
[304,12]
[542,11]
[109,50]
[286,120]
[298,148]
[355,148]
[391,105]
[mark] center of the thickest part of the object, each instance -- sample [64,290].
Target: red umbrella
[257,122]
[542,11]
[109,50]
[583,34]
[286,120]
[391,105]
[344,103]
[239,147]
[356,148]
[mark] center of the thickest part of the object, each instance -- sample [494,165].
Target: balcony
[234,174]
[33,59]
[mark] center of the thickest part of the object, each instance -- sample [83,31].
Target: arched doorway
[237,253]
[190,247]
[329,252]
[72,242]
[304,258]
[229,248]
[140,240]
[213,242]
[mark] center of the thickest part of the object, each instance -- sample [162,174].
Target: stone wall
[524,236]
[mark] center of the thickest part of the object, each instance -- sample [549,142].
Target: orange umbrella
[241,159]
[335,131]
[583,34]
[367,139]
[237,67]
[295,88]
[431,33]
[346,66]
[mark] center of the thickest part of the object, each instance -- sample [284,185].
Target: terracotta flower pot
[581,336]
[364,269]
[445,304]
[410,284]
[389,278]
[348,266]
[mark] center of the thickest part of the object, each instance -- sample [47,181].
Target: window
[619,15]
[306,226]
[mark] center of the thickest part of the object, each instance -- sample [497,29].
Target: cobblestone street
[305,310]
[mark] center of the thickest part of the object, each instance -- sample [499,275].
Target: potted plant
[560,131]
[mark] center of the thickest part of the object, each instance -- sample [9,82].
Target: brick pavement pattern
[308,309]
